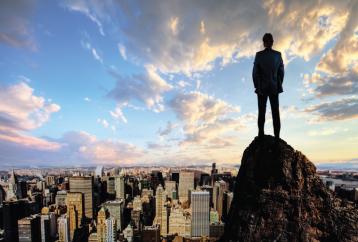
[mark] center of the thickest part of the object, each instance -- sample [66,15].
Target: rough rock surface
[279,197]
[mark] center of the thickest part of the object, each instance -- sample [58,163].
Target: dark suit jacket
[268,72]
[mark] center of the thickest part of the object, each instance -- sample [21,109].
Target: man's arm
[281,70]
[255,73]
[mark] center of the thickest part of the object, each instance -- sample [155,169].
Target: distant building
[50,180]
[21,189]
[119,186]
[186,182]
[29,229]
[99,171]
[111,186]
[200,213]
[12,187]
[84,184]
[175,176]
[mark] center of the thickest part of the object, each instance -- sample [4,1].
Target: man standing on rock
[267,74]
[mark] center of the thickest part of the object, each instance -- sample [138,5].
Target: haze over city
[128,83]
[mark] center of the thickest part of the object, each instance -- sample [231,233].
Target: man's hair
[268,39]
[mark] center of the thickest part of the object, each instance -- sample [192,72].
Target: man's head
[268,40]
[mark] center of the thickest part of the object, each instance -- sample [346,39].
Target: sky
[128,82]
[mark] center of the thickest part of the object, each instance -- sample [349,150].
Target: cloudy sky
[169,82]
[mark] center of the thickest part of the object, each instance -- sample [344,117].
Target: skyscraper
[84,184]
[170,186]
[218,196]
[200,213]
[11,192]
[111,230]
[114,209]
[29,229]
[186,182]
[111,185]
[63,229]
[75,210]
[160,210]
[119,186]
[48,225]
[101,225]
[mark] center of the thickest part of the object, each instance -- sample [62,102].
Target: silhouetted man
[267,74]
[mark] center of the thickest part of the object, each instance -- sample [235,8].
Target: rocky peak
[279,197]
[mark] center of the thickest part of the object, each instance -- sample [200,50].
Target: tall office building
[11,192]
[170,186]
[115,210]
[101,225]
[45,225]
[111,230]
[160,210]
[60,199]
[48,225]
[84,184]
[119,186]
[179,222]
[63,229]
[29,229]
[2,195]
[50,180]
[186,182]
[218,196]
[75,210]
[111,185]
[200,213]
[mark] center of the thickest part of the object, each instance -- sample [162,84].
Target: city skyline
[135,82]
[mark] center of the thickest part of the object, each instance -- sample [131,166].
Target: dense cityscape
[126,204]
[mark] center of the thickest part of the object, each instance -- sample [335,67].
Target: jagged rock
[279,197]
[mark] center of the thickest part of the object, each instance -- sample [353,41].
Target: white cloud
[89,8]
[96,55]
[147,88]
[103,122]
[22,111]
[205,117]
[87,45]
[118,114]
[77,148]
[179,42]
[87,99]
